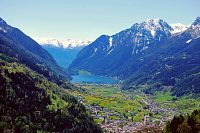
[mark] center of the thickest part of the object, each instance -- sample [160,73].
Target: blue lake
[92,79]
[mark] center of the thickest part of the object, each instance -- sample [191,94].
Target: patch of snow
[95,50]
[136,51]
[145,47]
[133,50]
[197,37]
[153,32]
[109,51]
[178,27]
[153,21]
[3,30]
[110,42]
[156,25]
[188,41]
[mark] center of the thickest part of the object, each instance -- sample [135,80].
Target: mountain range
[66,44]
[152,53]
[65,51]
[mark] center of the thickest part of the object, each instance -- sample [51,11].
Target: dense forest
[184,124]
[30,103]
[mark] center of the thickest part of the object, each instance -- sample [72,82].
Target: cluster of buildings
[121,124]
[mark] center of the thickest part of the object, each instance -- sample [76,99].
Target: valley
[117,110]
[95,67]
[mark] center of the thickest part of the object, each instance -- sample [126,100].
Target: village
[124,124]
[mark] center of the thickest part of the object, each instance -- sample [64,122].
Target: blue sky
[88,19]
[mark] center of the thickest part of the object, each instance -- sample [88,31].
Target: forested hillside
[30,103]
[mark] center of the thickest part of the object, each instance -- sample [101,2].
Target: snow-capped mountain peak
[155,22]
[157,25]
[66,44]
[147,33]
[154,27]
[178,27]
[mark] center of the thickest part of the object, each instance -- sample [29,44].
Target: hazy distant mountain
[147,53]
[63,56]
[63,51]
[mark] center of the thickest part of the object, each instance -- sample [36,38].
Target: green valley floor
[117,110]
